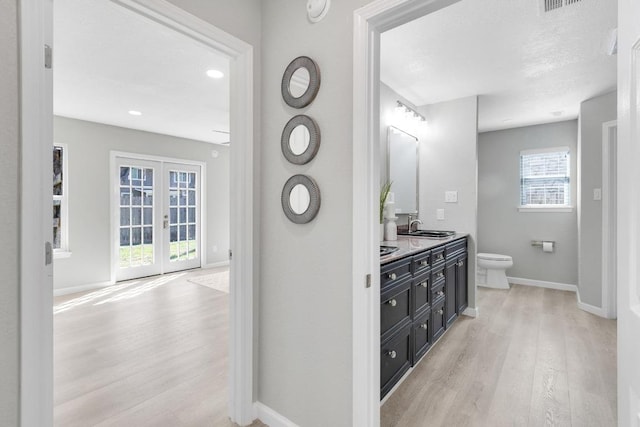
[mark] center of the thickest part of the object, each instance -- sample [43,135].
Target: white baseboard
[215,265]
[270,417]
[590,308]
[81,288]
[543,284]
[471,312]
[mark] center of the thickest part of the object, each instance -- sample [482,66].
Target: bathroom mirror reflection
[299,82]
[299,140]
[402,169]
[299,199]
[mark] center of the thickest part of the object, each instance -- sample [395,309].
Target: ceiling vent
[549,5]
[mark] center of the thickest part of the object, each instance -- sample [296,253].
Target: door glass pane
[136,242]
[57,222]
[183,217]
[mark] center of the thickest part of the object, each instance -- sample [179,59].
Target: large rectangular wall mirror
[402,170]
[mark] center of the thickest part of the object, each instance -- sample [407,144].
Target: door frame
[36,283]
[369,22]
[609,223]
[115,197]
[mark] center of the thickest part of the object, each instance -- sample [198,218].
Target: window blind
[545,177]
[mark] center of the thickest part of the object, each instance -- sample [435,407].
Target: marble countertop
[409,245]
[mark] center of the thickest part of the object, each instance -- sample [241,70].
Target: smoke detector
[317,9]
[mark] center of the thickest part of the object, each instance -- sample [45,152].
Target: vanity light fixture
[409,113]
[215,74]
[135,113]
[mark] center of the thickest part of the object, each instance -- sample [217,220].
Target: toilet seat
[494,257]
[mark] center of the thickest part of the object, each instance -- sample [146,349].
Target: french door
[157,205]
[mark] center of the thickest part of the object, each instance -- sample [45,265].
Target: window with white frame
[60,214]
[545,180]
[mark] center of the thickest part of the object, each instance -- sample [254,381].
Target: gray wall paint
[449,162]
[504,230]
[9,226]
[88,153]
[593,113]
[306,283]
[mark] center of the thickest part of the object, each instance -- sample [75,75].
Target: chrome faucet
[410,223]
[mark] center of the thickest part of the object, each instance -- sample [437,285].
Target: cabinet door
[437,321]
[461,283]
[450,292]
[421,336]
[395,359]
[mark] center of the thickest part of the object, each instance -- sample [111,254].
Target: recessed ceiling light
[557,113]
[507,120]
[215,74]
[135,113]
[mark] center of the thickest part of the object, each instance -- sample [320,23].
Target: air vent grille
[549,5]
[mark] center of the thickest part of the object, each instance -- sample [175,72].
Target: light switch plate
[440,214]
[597,194]
[450,196]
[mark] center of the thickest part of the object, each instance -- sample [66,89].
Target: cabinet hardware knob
[440,256]
[440,312]
[440,275]
[424,263]
[423,326]
[460,263]
[392,276]
[423,284]
[440,293]
[392,302]
[392,354]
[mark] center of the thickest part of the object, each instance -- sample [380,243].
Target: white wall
[88,156]
[449,162]
[305,296]
[593,113]
[10,224]
[504,230]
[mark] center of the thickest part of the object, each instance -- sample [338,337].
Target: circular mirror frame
[314,199]
[314,140]
[314,82]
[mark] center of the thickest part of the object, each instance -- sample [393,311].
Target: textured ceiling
[526,65]
[109,60]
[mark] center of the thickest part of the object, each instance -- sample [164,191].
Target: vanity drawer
[395,306]
[394,272]
[421,293]
[421,263]
[395,359]
[437,255]
[421,336]
[455,248]
[438,292]
[438,274]
[438,319]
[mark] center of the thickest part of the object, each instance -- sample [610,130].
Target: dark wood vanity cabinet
[421,295]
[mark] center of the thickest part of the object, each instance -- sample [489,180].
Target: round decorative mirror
[300,140]
[300,82]
[300,199]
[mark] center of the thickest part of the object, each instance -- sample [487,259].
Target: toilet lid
[494,257]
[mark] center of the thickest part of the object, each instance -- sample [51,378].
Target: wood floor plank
[150,352]
[532,358]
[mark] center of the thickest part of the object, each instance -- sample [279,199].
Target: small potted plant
[384,194]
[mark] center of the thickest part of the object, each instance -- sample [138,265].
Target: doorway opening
[36,389]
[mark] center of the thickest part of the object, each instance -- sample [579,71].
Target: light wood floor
[532,358]
[149,352]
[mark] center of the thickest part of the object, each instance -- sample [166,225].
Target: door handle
[165,222]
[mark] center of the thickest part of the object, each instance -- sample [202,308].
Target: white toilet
[492,270]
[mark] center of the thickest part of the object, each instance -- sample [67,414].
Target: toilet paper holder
[539,243]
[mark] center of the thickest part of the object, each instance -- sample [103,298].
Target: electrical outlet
[440,214]
[450,196]
[597,194]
